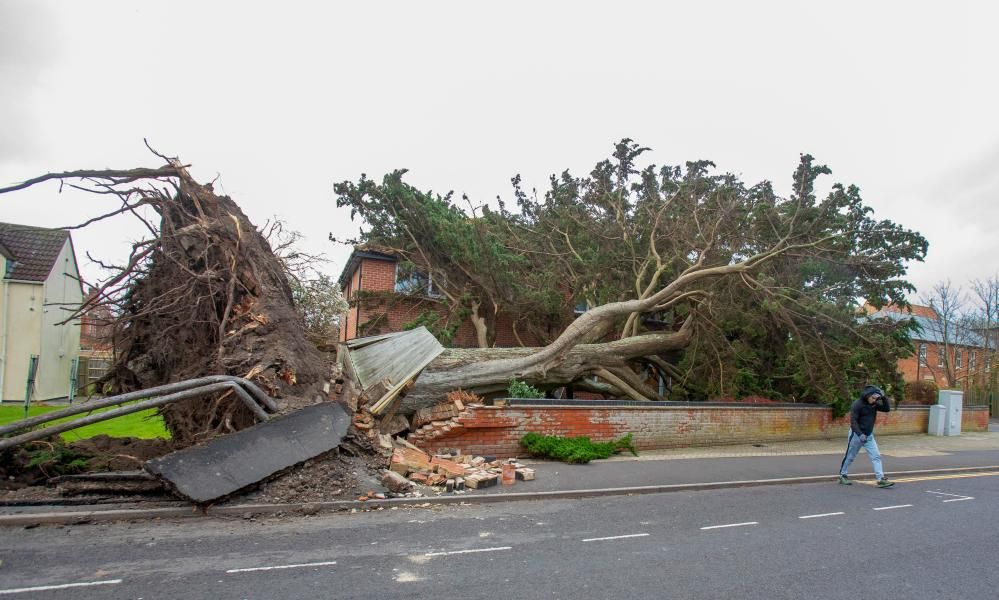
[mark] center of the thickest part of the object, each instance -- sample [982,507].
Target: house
[41,286]
[946,354]
[384,296]
[96,343]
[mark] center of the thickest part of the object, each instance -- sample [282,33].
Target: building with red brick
[384,296]
[96,343]
[939,347]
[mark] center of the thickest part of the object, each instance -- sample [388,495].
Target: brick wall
[487,430]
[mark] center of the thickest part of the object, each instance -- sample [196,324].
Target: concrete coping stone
[550,403]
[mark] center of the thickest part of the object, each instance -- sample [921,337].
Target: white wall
[60,344]
[23,320]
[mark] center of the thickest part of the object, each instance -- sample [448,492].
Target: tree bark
[489,371]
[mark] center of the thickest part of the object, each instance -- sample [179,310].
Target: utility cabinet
[953,403]
[938,419]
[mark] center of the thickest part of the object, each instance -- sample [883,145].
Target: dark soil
[345,473]
[20,482]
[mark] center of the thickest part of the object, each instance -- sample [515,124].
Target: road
[932,537]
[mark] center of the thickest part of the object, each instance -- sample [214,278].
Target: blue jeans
[853,447]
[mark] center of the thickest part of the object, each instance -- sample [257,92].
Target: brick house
[96,344]
[383,296]
[960,348]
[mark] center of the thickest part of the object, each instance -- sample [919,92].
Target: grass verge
[145,424]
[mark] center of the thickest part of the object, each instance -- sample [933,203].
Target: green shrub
[920,392]
[520,389]
[57,459]
[575,450]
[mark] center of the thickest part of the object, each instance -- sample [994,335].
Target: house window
[940,356]
[972,359]
[957,359]
[412,281]
[922,354]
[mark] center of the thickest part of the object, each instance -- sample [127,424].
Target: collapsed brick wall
[486,430]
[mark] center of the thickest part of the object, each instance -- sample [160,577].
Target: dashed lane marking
[731,525]
[832,514]
[272,568]
[893,507]
[63,586]
[616,537]
[468,551]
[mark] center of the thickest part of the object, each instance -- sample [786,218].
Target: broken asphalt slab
[230,463]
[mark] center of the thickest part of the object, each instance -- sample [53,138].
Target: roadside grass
[145,424]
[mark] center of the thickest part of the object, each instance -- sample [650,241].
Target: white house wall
[60,344]
[23,315]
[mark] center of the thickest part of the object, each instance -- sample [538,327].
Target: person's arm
[884,404]
[854,413]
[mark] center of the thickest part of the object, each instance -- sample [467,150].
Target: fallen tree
[723,289]
[202,294]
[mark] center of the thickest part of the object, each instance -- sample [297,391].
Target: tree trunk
[488,371]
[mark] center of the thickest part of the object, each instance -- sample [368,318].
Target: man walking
[863,414]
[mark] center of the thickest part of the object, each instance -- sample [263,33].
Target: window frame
[428,289]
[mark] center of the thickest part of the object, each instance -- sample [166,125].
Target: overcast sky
[281,100]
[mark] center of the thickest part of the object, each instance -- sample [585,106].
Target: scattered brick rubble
[451,471]
[447,471]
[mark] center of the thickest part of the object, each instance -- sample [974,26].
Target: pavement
[682,469]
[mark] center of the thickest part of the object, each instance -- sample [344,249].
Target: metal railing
[252,396]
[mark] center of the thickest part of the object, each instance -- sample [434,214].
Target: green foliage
[575,449]
[56,459]
[520,389]
[787,329]
[441,327]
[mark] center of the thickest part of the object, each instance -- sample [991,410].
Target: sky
[279,101]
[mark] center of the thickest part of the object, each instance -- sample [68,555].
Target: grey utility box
[953,402]
[938,418]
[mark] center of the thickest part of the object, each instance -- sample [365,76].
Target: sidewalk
[813,458]
[683,469]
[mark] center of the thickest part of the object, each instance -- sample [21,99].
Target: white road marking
[63,586]
[616,537]
[891,507]
[468,551]
[298,566]
[956,497]
[945,494]
[731,525]
[822,515]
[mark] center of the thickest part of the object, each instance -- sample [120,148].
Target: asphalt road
[928,538]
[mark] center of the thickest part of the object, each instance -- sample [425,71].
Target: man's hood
[871,389]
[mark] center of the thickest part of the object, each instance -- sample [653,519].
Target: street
[929,537]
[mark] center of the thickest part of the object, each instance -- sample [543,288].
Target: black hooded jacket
[863,413]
